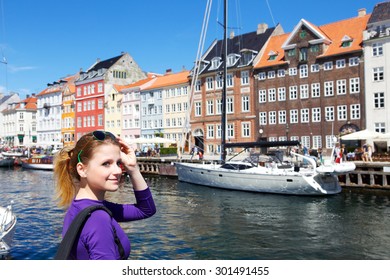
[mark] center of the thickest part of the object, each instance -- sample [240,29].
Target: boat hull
[259,180]
[39,166]
[7,230]
[7,162]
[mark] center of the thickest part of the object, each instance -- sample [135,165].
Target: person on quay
[83,174]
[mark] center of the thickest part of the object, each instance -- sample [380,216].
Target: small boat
[12,154]
[7,229]
[38,162]
[7,162]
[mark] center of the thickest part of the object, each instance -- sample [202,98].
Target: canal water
[199,223]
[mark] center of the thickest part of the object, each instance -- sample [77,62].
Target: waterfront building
[310,83]
[113,110]
[164,106]
[6,129]
[49,113]
[20,122]
[206,100]
[94,89]
[68,111]
[131,107]
[377,68]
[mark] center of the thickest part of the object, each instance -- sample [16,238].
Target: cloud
[15,69]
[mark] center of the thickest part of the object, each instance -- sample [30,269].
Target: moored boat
[7,162]
[7,229]
[38,162]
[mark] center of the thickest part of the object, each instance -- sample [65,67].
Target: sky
[43,41]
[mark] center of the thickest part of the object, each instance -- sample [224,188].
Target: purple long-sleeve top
[96,241]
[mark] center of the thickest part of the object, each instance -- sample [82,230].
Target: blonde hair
[66,177]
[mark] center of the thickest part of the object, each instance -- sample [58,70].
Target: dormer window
[272,55]
[303,54]
[215,63]
[232,59]
[291,52]
[346,41]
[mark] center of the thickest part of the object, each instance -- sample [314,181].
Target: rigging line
[196,71]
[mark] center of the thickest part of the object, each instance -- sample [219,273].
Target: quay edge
[367,175]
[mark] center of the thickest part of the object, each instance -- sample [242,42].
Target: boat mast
[223,113]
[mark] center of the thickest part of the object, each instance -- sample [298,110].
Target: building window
[294,116]
[377,49]
[272,117]
[271,74]
[355,111]
[316,114]
[378,74]
[282,94]
[281,73]
[198,109]
[210,107]
[354,85]
[293,92]
[282,117]
[380,127]
[229,80]
[340,63]
[229,105]
[329,114]
[315,68]
[262,118]
[315,90]
[262,76]
[291,52]
[304,91]
[245,103]
[328,66]
[328,88]
[305,115]
[209,83]
[292,71]
[271,95]
[341,112]
[246,131]
[379,100]
[341,87]
[245,78]
[353,61]
[210,131]
[219,82]
[303,71]
[262,96]
[303,54]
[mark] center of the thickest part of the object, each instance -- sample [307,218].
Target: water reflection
[194,222]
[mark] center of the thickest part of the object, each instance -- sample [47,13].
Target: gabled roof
[138,84]
[30,103]
[105,64]
[169,80]
[381,12]
[331,34]
[322,38]
[248,42]
[60,85]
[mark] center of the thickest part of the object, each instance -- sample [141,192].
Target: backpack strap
[77,224]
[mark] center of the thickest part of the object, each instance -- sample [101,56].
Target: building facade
[310,83]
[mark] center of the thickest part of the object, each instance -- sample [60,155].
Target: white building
[377,69]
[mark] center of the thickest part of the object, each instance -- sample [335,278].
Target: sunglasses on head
[99,135]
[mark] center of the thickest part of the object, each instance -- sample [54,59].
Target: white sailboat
[249,175]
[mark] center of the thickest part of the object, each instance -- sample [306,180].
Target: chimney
[362,12]
[168,71]
[261,28]
[33,94]
[231,34]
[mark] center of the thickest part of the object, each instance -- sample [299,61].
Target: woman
[84,174]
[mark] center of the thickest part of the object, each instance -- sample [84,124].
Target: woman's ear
[81,170]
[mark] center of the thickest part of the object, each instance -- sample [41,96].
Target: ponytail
[65,176]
